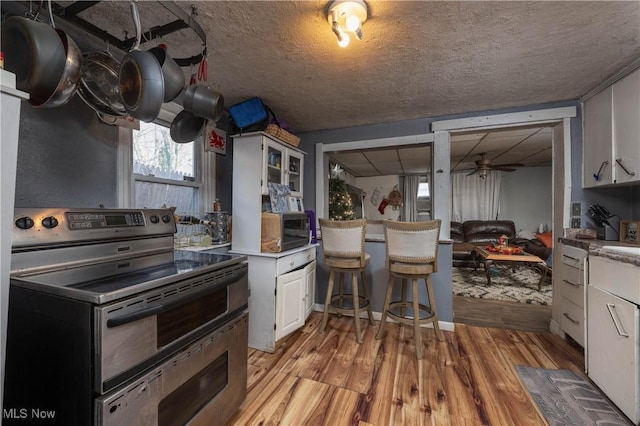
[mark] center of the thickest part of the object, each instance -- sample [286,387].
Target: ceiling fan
[483,166]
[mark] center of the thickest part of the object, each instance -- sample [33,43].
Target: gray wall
[66,158]
[526,197]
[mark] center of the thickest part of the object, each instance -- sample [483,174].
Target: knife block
[609,233]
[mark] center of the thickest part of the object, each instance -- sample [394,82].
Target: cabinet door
[626,128]
[274,157]
[290,290]
[597,146]
[310,293]
[294,173]
[612,349]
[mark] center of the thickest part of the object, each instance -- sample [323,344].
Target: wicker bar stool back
[343,251]
[412,254]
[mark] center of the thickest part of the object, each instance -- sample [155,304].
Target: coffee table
[524,258]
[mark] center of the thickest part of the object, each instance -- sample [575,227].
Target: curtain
[473,198]
[409,186]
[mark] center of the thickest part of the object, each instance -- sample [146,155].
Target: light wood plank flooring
[327,378]
[501,314]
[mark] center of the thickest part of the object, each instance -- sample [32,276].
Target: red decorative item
[215,141]
[383,204]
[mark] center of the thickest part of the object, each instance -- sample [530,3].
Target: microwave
[284,231]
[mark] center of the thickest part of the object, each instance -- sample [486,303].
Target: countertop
[597,248]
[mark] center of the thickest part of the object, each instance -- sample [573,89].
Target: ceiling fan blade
[503,169]
[473,172]
[509,165]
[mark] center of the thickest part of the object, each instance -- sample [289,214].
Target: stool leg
[327,302]
[432,306]
[365,289]
[403,310]
[416,318]
[385,309]
[356,305]
[340,291]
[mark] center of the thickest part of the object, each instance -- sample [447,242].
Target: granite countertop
[602,248]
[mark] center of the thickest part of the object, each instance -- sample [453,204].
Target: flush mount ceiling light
[347,16]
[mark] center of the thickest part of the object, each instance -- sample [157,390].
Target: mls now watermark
[28,413]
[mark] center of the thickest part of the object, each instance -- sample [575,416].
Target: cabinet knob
[292,263]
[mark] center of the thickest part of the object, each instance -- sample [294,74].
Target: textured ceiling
[417,58]
[527,145]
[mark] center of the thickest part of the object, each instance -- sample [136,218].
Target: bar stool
[343,251]
[412,254]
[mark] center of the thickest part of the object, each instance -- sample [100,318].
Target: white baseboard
[446,326]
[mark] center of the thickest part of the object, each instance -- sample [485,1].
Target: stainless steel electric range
[109,325]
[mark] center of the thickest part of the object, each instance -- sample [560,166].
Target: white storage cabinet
[572,292]
[611,146]
[282,285]
[613,330]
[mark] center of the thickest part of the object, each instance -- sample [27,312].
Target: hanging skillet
[141,81]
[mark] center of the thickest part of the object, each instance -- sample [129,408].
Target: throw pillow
[546,238]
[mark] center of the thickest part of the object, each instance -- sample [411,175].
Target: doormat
[565,398]
[520,286]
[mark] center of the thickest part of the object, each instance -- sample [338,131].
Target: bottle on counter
[216,205]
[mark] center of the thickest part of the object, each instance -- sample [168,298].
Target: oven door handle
[154,310]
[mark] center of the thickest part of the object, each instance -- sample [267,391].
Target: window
[424,199]
[163,172]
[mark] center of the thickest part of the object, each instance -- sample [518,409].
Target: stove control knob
[49,222]
[166,218]
[24,223]
[154,219]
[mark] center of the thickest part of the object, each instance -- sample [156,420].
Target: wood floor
[501,314]
[469,379]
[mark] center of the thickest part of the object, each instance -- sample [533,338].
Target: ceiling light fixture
[347,16]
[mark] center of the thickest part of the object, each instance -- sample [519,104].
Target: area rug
[565,398]
[520,286]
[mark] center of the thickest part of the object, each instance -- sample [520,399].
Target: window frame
[204,166]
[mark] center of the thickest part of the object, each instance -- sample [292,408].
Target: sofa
[466,235]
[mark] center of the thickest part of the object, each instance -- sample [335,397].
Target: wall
[526,197]
[66,158]
[384,185]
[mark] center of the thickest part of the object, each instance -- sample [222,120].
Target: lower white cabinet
[613,349]
[613,332]
[282,289]
[571,291]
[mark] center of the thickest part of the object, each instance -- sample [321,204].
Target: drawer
[573,275]
[571,289]
[572,320]
[621,279]
[294,261]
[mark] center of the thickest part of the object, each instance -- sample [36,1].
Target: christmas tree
[340,204]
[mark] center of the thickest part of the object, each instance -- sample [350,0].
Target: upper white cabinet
[611,150]
[626,128]
[282,165]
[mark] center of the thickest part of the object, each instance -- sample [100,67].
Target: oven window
[177,322]
[182,404]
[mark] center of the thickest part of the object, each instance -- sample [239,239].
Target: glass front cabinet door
[282,165]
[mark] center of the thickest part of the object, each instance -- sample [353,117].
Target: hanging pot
[171,73]
[46,61]
[203,102]
[141,81]
[186,127]
[99,84]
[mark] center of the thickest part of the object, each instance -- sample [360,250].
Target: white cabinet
[282,165]
[10,100]
[598,141]
[626,128]
[279,286]
[611,148]
[258,158]
[571,290]
[613,331]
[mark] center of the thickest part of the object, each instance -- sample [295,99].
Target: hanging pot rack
[71,13]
